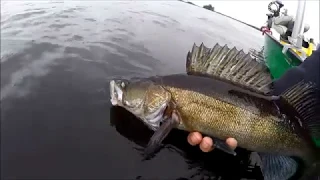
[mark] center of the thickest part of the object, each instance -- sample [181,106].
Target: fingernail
[206,145]
[192,140]
[192,136]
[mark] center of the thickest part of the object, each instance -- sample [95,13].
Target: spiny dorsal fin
[257,54]
[231,65]
[304,98]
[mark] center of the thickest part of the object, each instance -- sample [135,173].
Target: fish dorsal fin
[231,65]
[304,98]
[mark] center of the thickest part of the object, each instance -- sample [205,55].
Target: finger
[206,144]
[232,143]
[194,138]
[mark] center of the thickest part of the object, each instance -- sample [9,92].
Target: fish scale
[220,119]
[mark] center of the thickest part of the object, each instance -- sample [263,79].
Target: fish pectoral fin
[160,134]
[223,146]
[277,167]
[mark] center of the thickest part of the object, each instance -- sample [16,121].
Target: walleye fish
[227,93]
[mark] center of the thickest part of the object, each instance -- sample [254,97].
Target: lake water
[56,61]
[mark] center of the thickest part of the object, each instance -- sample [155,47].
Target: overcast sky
[254,12]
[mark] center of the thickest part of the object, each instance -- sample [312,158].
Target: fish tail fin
[231,65]
[304,98]
[278,167]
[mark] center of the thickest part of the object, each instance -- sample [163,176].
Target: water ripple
[60,26]
[24,16]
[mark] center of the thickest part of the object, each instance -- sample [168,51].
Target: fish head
[143,98]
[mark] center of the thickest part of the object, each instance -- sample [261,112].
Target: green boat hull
[278,62]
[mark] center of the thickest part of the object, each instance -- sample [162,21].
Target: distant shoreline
[252,26]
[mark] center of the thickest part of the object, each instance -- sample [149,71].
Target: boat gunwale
[289,50]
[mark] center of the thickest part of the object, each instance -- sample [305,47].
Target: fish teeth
[113,99]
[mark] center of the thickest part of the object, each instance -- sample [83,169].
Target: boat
[281,54]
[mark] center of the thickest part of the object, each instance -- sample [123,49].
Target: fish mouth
[151,119]
[116,94]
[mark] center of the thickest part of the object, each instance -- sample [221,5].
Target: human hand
[206,143]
